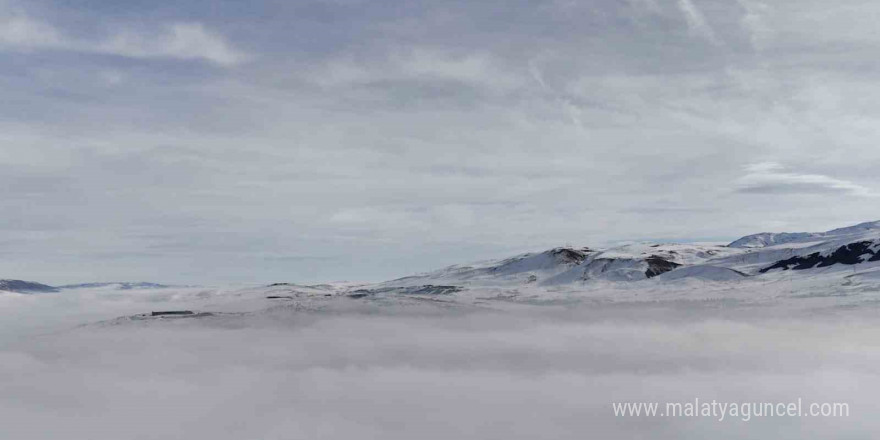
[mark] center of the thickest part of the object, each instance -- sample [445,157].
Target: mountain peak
[765,239]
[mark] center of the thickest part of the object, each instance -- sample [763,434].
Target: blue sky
[228,141]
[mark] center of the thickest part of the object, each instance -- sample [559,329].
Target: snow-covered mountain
[765,239]
[752,256]
[751,268]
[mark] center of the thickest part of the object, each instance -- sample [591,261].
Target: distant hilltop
[20,286]
[115,285]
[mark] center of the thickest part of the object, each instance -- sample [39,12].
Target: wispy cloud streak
[181,40]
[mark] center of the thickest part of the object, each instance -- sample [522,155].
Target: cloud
[21,31]
[646,5]
[696,21]
[754,23]
[181,40]
[416,64]
[771,178]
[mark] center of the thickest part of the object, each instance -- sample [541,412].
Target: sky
[304,141]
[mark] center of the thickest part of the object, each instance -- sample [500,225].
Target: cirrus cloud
[178,40]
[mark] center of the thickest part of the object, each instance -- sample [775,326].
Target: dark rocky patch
[428,289]
[436,290]
[20,286]
[279,297]
[568,255]
[657,265]
[850,254]
[173,313]
[796,263]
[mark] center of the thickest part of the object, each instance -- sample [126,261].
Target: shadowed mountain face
[25,286]
[566,255]
[657,266]
[853,253]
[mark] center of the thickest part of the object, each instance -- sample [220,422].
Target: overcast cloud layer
[209,141]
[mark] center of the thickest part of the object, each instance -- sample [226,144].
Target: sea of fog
[354,370]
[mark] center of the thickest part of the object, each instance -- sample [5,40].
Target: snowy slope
[766,239]
[646,266]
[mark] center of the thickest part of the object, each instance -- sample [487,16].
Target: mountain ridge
[751,255]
